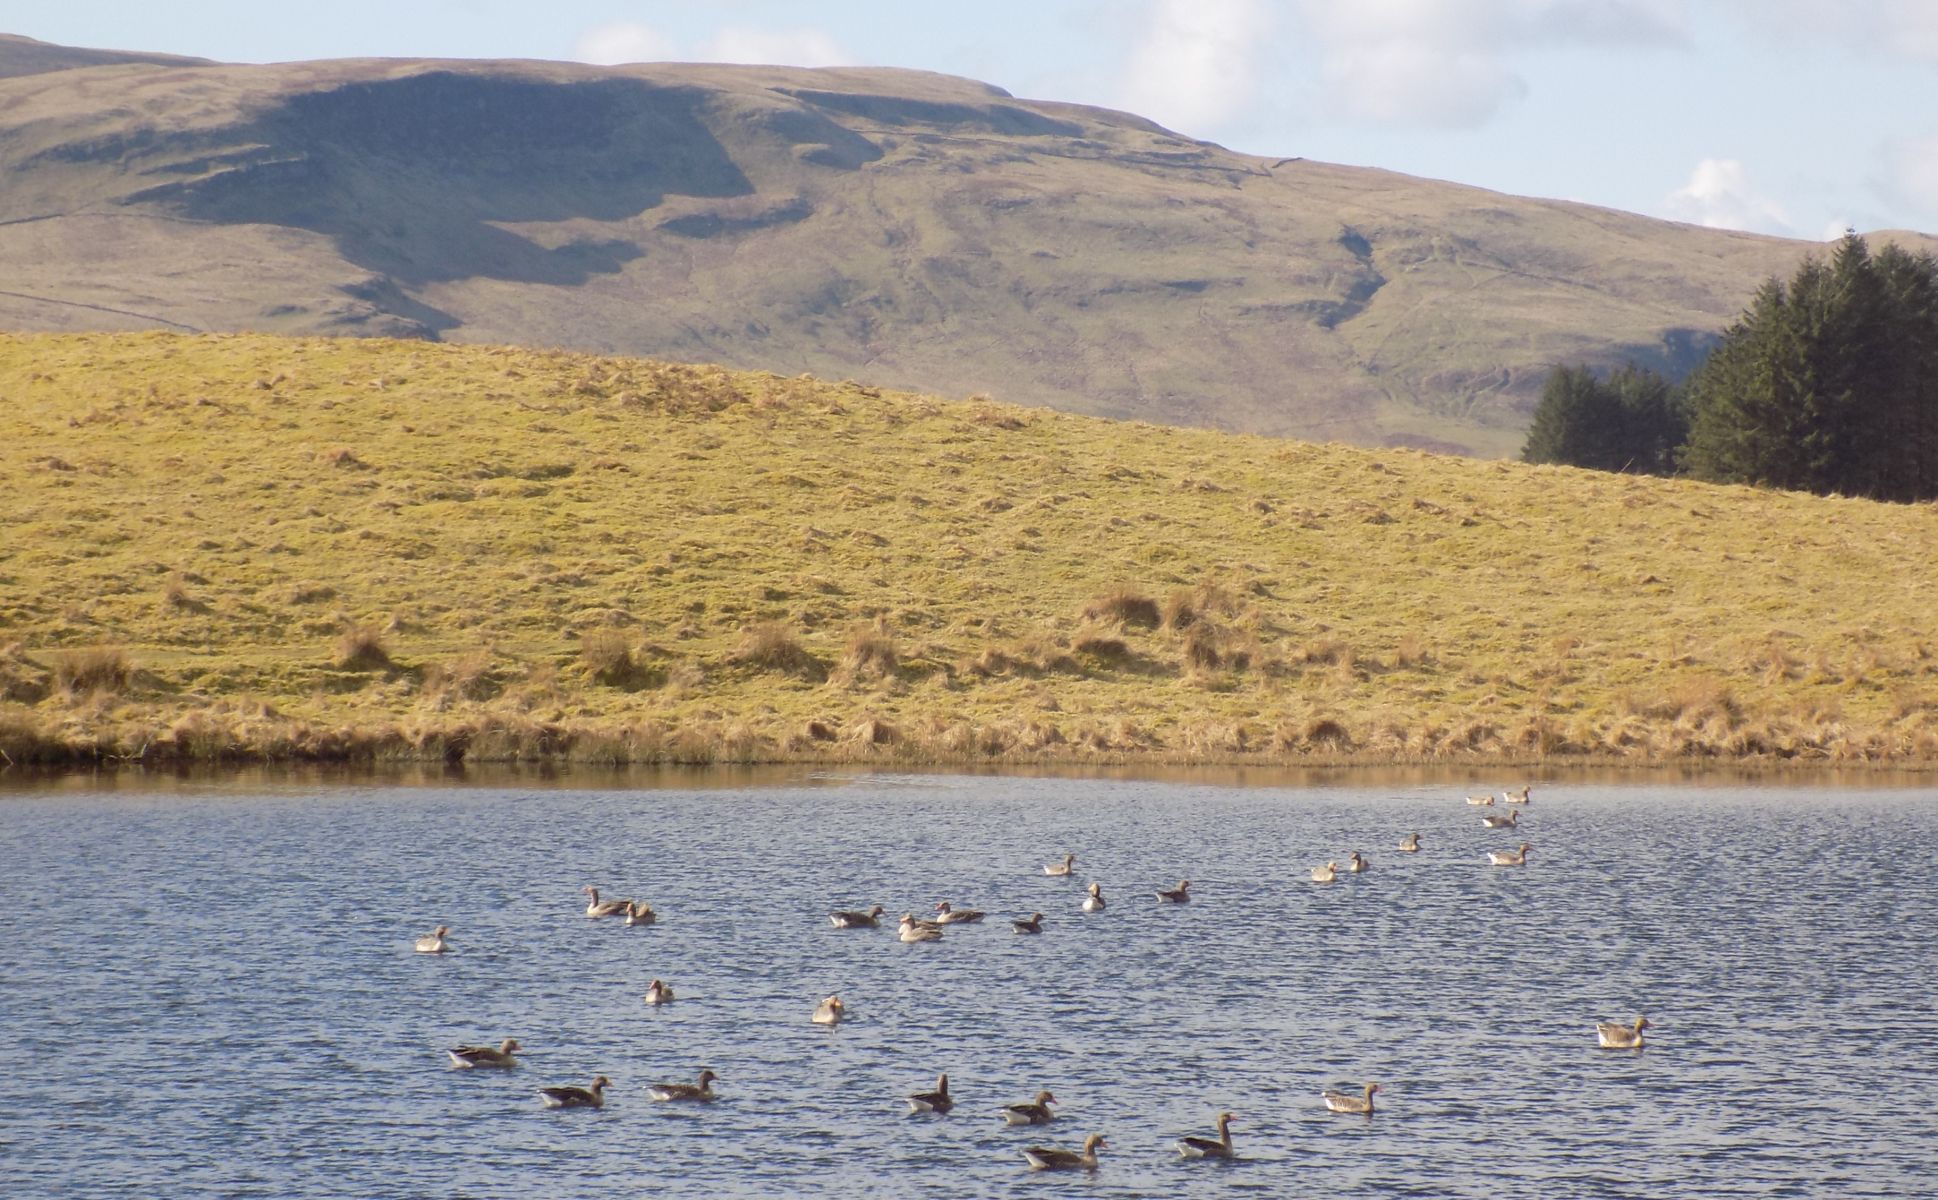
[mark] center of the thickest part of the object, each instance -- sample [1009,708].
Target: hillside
[253,546]
[894,227]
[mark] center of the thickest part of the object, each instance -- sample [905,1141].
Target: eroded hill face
[889,226]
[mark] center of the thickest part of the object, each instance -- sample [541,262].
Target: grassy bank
[248,547]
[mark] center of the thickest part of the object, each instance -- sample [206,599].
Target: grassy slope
[224,508]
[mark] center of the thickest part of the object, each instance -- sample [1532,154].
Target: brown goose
[1410,844]
[1180,894]
[1062,868]
[1325,874]
[938,1101]
[1506,820]
[640,914]
[1201,1147]
[1621,1037]
[1035,1112]
[433,942]
[1520,797]
[701,1092]
[1486,801]
[465,1057]
[829,1011]
[657,993]
[956,916]
[1346,1102]
[1510,858]
[1094,902]
[576,1097]
[913,930]
[1045,1158]
[596,908]
[857,920]
[1033,925]
[1357,863]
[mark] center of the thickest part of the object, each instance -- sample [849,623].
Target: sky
[1791,117]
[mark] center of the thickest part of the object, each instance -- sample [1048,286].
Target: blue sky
[1795,117]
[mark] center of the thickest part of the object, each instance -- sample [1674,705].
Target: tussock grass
[826,577]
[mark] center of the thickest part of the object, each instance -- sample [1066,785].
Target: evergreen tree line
[1828,383]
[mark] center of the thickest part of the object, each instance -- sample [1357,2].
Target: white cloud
[1889,28]
[623,42]
[1910,177]
[1719,195]
[776,47]
[1411,83]
[1194,64]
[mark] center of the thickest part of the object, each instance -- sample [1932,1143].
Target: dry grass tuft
[92,670]
[871,654]
[610,658]
[772,646]
[1124,605]
[361,648]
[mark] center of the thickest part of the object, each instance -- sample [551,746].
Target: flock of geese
[939,1101]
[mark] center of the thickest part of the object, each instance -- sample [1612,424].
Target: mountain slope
[891,226]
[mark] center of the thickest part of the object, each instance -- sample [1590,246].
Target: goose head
[600,1083]
[1094,1143]
[707,1077]
[875,911]
[508,1045]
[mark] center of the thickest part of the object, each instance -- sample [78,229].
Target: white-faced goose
[857,920]
[1094,902]
[701,1092]
[1046,1158]
[1202,1147]
[1325,874]
[433,942]
[938,1101]
[465,1057]
[596,908]
[1180,894]
[1621,1037]
[1506,820]
[1062,868]
[956,916]
[576,1097]
[1034,1112]
[829,1011]
[657,993]
[913,930]
[1033,925]
[1410,844]
[1346,1102]
[640,914]
[1510,858]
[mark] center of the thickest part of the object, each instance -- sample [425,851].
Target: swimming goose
[857,920]
[1180,894]
[465,1057]
[938,1101]
[1506,820]
[918,931]
[1510,858]
[1346,1102]
[1033,925]
[956,916]
[576,1097]
[1035,1112]
[1325,874]
[1621,1037]
[1410,844]
[829,1011]
[1357,863]
[1201,1147]
[596,908]
[1062,868]
[1045,1158]
[658,993]
[433,942]
[640,914]
[1520,797]
[1094,902]
[701,1091]
[1486,801]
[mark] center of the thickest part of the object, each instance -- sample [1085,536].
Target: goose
[830,1011]
[1486,801]
[1621,1037]
[701,1091]
[956,916]
[658,993]
[1034,1112]
[1202,1147]
[1506,820]
[938,1101]
[1410,844]
[1510,858]
[1357,863]
[857,920]
[1346,1102]
[1033,925]
[1062,868]
[576,1097]
[918,931]
[1520,797]
[640,914]
[1094,902]
[596,908]
[1045,1158]
[433,942]
[1325,874]
[466,1057]
[1180,894]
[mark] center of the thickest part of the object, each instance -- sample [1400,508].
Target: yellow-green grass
[252,547]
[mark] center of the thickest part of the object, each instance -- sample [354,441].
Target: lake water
[212,992]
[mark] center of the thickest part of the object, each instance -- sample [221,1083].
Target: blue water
[214,994]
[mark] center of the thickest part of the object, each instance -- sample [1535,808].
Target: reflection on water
[213,992]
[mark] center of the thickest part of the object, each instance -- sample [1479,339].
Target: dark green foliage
[1626,422]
